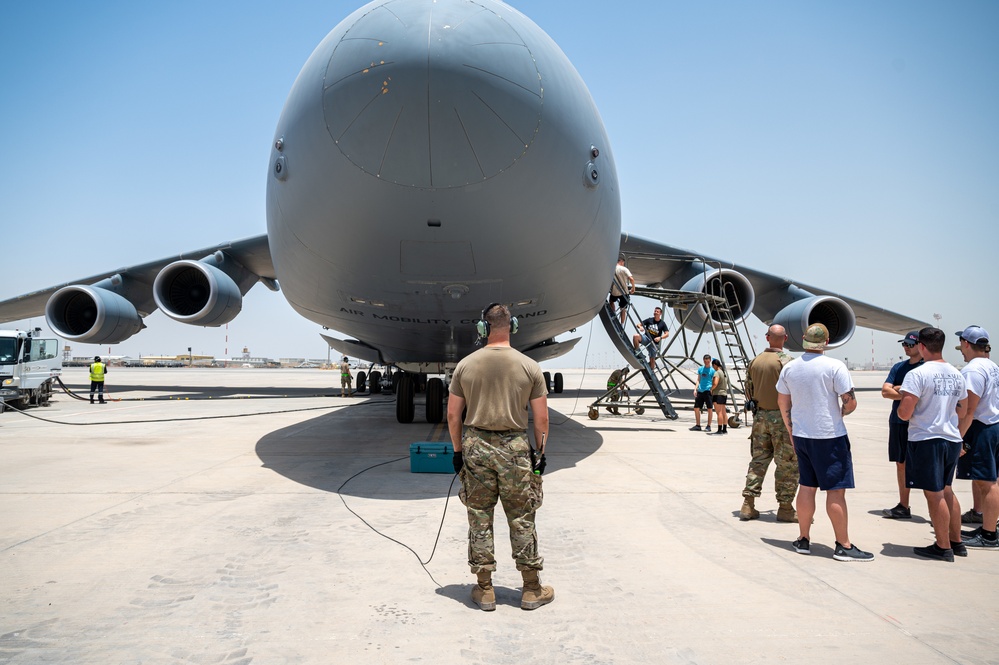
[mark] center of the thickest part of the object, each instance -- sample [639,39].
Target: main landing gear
[407,385]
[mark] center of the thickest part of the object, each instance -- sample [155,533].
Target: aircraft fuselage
[433,157]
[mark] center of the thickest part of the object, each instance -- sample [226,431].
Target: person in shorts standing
[706,381]
[898,429]
[814,385]
[934,399]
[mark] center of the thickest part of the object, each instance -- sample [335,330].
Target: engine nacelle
[835,314]
[197,293]
[729,284]
[91,315]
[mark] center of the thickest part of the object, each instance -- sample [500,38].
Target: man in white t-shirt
[980,429]
[622,278]
[934,399]
[815,384]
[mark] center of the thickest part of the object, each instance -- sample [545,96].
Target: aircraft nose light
[451,89]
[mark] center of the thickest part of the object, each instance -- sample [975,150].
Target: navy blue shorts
[824,463]
[931,463]
[984,452]
[965,461]
[719,399]
[703,400]
[898,437]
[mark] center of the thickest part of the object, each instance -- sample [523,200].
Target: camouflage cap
[816,337]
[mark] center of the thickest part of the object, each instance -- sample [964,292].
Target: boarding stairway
[668,382]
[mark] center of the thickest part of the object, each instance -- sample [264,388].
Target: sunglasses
[908,345]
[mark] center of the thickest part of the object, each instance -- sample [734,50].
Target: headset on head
[482,326]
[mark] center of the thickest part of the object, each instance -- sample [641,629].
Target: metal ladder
[665,380]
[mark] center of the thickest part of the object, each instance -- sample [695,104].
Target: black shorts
[703,400]
[620,300]
[719,399]
[930,464]
[983,454]
[965,461]
[898,438]
[824,463]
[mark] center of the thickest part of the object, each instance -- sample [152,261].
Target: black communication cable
[423,564]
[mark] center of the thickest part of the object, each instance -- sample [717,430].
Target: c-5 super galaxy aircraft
[457,138]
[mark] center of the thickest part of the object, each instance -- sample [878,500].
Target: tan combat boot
[483,593]
[785,513]
[748,510]
[535,595]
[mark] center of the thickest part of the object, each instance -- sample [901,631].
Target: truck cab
[29,365]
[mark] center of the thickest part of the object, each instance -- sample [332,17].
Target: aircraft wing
[127,294]
[772,298]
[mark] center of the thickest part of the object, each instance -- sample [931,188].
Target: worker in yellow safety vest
[97,372]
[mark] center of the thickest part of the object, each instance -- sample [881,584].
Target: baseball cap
[911,338]
[816,336]
[974,335]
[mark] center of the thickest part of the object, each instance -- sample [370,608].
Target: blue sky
[849,145]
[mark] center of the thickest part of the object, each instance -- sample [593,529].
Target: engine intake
[835,314]
[197,293]
[91,315]
[724,282]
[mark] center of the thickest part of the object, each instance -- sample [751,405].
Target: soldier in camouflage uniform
[770,440]
[492,454]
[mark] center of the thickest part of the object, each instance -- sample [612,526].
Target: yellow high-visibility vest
[97,371]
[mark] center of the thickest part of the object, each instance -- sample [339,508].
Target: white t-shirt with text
[982,377]
[939,388]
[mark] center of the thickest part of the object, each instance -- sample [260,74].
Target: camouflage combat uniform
[769,441]
[499,385]
[769,438]
[498,466]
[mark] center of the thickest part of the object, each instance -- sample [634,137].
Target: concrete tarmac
[184,530]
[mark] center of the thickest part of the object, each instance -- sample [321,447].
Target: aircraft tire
[375,380]
[404,407]
[435,400]
[362,379]
[558,383]
[548,381]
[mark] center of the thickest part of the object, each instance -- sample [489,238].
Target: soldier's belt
[500,432]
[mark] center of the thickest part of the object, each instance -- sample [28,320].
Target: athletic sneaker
[934,551]
[971,517]
[708,428]
[965,535]
[980,542]
[959,549]
[899,512]
[695,428]
[802,546]
[717,432]
[968,535]
[852,554]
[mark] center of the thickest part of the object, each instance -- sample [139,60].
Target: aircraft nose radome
[449,88]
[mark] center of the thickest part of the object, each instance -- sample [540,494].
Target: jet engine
[91,315]
[197,293]
[729,284]
[835,314]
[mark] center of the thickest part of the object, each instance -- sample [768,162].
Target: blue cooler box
[430,457]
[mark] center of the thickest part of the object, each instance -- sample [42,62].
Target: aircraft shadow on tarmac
[362,451]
